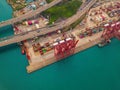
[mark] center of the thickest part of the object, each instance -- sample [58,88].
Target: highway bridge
[45,30]
[29,14]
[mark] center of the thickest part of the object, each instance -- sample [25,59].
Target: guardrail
[29,14]
[48,29]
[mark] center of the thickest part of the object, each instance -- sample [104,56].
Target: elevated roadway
[29,14]
[43,31]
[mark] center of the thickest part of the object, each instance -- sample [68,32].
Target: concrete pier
[50,58]
[83,43]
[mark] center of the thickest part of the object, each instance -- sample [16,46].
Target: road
[43,31]
[29,14]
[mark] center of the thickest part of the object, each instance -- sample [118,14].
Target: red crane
[64,48]
[117,30]
[111,30]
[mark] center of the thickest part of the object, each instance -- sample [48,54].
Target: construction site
[44,44]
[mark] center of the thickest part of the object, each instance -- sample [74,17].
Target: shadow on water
[8,48]
[9,27]
[6,31]
[67,59]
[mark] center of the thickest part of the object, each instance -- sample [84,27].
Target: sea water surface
[93,69]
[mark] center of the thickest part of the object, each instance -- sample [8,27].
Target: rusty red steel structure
[64,48]
[111,30]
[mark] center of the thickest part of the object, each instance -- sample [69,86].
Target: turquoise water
[5,13]
[29,1]
[93,69]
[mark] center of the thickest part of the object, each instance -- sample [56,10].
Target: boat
[104,43]
[23,50]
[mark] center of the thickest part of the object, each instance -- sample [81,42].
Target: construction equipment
[111,30]
[64,48]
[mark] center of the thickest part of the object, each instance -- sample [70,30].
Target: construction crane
[64,48]
[111,30]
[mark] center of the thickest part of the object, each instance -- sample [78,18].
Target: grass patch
[49,1]
[72,26]
[64,10]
